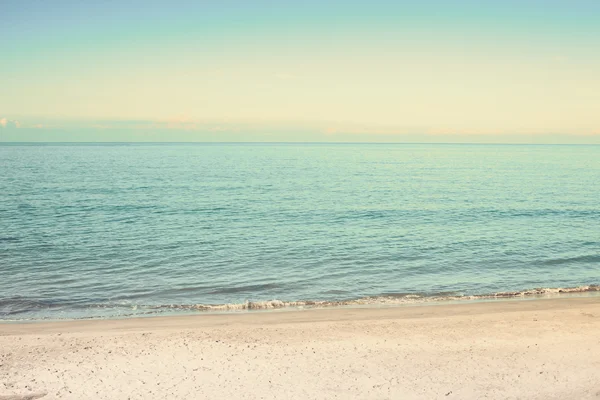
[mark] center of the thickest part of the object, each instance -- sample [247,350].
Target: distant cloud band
[9,123]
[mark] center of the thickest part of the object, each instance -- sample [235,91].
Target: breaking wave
[382,300]
[20,311]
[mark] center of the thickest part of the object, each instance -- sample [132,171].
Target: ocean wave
[132,310]
[385,300]
[592,258]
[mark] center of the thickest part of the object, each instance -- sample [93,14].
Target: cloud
[9,123]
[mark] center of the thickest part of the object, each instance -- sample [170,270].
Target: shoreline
[390,301]
[445,308]
[534,349]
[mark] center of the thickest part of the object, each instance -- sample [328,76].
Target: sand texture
[535,349]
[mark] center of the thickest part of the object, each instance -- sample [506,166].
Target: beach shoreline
[381,301]
[535,348]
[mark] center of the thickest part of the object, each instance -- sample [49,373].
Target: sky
[250,70]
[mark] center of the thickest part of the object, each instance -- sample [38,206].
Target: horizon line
[291,142]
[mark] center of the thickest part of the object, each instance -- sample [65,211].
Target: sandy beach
[531,349]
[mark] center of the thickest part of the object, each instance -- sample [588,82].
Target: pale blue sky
[508,71]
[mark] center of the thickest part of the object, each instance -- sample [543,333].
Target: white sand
[540,349]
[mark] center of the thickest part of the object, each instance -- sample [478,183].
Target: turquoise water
[129,229]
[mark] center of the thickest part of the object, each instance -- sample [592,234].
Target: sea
[109,230]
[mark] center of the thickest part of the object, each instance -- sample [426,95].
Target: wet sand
[531,349]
